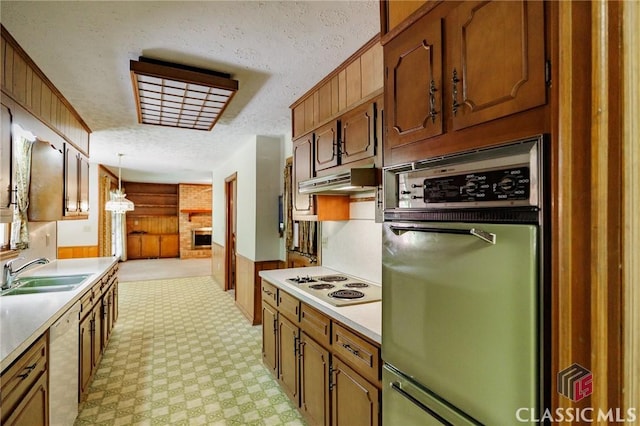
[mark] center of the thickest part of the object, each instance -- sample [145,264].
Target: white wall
[83,232]
[354,246]
[269,184]
[257,162]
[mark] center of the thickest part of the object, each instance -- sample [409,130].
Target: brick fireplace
[195,218]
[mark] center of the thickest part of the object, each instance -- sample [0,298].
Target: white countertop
[365,318]
[23,318]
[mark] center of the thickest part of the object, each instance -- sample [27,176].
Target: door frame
[230,199]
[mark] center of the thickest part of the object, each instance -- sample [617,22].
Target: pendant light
[118,204]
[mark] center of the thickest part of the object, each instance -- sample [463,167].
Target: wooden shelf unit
[152,199]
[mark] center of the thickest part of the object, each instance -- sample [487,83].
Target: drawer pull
[268,292]
[350,349]
[28,369]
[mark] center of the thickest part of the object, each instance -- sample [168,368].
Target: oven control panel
[504,177]
[495,185]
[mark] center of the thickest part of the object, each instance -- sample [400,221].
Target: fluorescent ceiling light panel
[178,95]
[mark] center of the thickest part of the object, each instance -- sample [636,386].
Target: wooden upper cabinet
[358,133]
[397,11]
[474,66]
[326,146]
[371,70]
[26,84]
[413,87]
[302,170]
[47,183]
[498,56]
[359,78]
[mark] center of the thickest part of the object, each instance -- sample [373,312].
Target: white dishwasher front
[63,368]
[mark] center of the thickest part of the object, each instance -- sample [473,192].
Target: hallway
[181,353]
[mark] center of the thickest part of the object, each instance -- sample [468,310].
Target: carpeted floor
[182,354]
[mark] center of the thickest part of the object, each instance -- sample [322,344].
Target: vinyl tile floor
[182,354]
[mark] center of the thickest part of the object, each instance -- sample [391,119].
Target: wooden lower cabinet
[332,382]
[24,395]
[86,358]
[99,311]
[315,364]
[354,400]
[269,337]
[288,366]
[147,246]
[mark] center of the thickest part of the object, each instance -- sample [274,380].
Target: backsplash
[42,243]
[355,246]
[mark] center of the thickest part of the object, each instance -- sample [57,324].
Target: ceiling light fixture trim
[177,95]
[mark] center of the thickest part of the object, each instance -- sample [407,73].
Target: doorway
[230,191]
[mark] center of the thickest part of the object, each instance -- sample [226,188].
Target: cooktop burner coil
[346,294]
[356,285]
[321,286]
[332,278]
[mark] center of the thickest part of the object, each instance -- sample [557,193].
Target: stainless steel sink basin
[33,285]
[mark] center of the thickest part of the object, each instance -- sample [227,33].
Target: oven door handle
[483,235]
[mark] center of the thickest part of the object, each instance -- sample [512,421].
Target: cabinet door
[86,359]
[170,245]
[358,134]
[71,190]
[34,408]
[302,170]
[134,247]
[326,146]
[5,160]
[497,54]
[413,83]
[47,183]
[83,171]
[150,246]
[355,401]
[96,330]
[269,340]
[314,381]
[288,368]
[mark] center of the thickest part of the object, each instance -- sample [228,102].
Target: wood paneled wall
[593,324]
[248,296]
[74,252]
[217,263]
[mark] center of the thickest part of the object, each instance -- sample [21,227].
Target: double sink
[44,284]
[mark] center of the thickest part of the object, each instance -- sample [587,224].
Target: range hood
[343,183]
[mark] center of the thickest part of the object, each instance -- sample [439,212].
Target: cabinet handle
[455,80]
[296,348]
[350,349]
[332,378]
[268,292]
[28,371]
[432,101]
[275,325]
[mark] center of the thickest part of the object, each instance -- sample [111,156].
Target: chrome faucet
[9,275]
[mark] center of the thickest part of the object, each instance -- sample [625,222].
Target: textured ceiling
[277,50]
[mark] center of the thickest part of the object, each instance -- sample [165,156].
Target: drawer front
[316,325]
[270,293]
[86,303]
[289,306]
[361,355]
[20,377]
